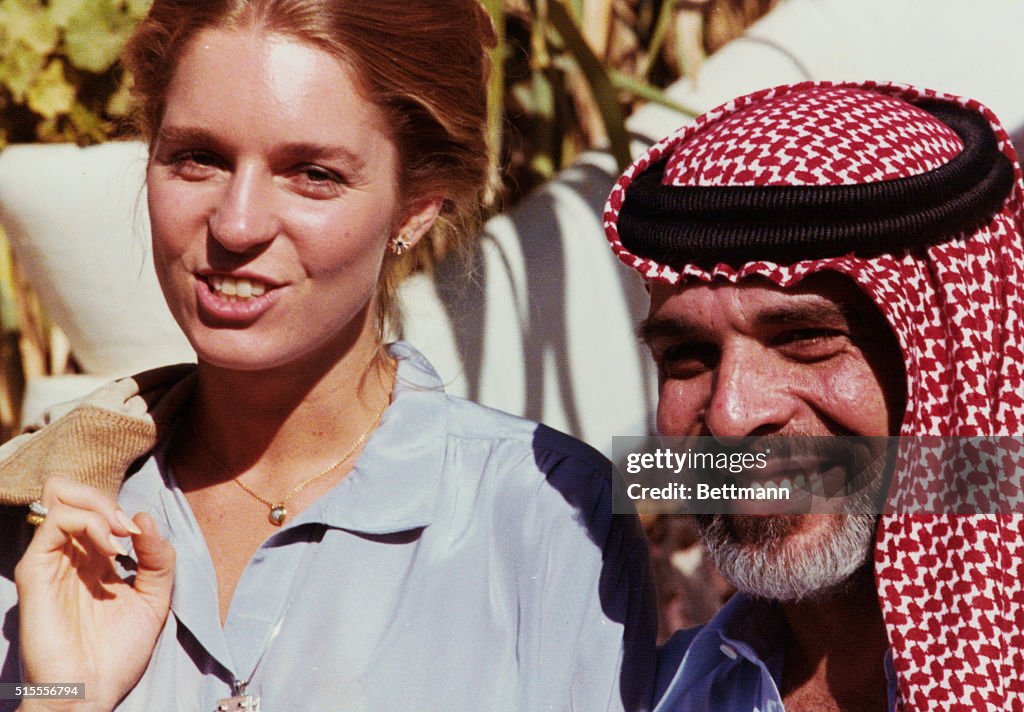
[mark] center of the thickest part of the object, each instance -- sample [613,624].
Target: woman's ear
[419,219]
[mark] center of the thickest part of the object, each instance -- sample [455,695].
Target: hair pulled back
[424,63]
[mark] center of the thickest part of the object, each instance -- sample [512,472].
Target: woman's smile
[233,300]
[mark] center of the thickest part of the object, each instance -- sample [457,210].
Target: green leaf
[601,88]
[138,9]
[658,36]
[8,303]
[496,82]
[27,23]
[649,92]
[89,126]
[96,33]
[120,102]
[51,94]
[18,70]
[62,10]
[544,160]
[539,57]
[53,131]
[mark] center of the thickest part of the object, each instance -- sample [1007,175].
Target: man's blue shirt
[732,664]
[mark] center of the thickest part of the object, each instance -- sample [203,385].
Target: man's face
[754,360]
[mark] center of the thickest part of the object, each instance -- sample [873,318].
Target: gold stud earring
[400,244]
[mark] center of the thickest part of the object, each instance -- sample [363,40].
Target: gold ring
[37,512]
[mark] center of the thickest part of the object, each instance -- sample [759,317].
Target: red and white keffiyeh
[950,586]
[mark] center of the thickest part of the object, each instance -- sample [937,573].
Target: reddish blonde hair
[423,63]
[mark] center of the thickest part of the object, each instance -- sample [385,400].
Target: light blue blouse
[470,561]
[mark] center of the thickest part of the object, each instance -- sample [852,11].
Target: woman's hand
[79,621]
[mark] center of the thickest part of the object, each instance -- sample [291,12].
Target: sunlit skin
[753,359]
[272,166]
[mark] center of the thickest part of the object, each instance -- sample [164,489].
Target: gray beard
[768,557]
[758,556]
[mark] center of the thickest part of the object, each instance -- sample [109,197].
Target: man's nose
[244,217]
[750,394]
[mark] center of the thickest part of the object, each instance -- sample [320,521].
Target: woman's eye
[319,182]
[194,165]
[812,344]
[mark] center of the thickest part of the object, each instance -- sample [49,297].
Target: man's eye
[811,344]
[319,174]
[681,361]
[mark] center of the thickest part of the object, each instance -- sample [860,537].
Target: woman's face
[273,192]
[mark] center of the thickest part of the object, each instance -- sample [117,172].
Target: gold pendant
[278,513]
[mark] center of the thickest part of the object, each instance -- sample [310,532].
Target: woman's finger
[155,575]
[58,490]
[64,523]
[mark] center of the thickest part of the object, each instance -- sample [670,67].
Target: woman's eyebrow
[185,134]
[322,151]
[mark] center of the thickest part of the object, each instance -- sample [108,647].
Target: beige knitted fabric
[95,439]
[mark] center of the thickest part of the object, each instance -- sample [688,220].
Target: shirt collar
[745,629]
[394,484]
[715,645]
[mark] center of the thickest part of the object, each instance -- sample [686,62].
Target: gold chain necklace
[279,509]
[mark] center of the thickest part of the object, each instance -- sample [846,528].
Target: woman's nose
[244,217]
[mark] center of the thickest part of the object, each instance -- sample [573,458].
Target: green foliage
[59,78]
[95,34]
[598,80]
[571,72]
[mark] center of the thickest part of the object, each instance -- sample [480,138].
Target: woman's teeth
[232,289]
